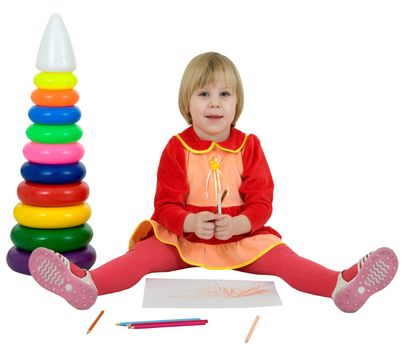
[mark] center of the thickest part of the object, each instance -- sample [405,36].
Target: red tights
[150,255]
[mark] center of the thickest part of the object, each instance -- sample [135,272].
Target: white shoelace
[363,260]
[64,260]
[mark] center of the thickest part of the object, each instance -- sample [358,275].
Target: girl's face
[212,108]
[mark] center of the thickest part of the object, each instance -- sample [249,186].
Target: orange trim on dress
[212,146]
[227,256]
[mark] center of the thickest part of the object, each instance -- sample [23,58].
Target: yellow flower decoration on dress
[214,163]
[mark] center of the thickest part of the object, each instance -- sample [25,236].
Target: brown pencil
[95,321]
[224,195]
[220,201]
[252,329]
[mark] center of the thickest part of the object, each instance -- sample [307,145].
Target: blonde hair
[205,69]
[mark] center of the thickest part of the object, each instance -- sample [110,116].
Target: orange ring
[55,98]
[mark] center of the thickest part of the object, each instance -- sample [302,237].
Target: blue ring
[54,115]
[53,173]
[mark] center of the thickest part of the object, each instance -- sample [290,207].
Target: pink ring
[43,153]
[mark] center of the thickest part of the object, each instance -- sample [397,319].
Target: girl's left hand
[224,227]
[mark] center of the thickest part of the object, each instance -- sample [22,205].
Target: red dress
[191,175]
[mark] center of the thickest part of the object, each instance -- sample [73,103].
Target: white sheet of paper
[204,293]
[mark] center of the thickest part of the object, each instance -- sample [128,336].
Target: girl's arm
[171,189]
[257,185]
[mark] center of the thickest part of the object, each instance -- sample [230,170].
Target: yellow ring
[52,217]
[55,81]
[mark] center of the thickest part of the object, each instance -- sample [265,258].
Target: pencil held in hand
[220,200]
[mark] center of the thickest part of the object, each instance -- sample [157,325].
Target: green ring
[54,133]
[61,240]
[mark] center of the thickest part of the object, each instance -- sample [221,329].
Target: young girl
[213,198]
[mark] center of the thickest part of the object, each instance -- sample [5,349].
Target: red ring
[52,195]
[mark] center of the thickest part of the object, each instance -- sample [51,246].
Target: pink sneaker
[52,271]
[375,271]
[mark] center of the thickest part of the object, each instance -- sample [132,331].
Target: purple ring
[17,259]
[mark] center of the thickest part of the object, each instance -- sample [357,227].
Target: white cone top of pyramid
[55,53]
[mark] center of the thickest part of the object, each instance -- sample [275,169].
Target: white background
[325,85]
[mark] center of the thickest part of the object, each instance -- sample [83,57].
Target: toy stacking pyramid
[53,211]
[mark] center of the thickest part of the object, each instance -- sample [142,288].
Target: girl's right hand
[202,224]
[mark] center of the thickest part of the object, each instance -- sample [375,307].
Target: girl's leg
[147,256]
[80,288]
[300,273]
[349,289]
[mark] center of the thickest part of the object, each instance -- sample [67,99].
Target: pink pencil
[168,324]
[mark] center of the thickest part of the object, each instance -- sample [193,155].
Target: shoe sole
[51,273]
[375,274]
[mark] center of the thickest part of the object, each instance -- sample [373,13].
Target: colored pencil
[223,196]
[95,321]
[220,201]
[252,329]
[157,321]
[168,324]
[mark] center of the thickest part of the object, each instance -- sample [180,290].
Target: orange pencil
[252,329]
[95,321]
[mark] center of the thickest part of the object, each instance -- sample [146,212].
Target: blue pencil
[157,321]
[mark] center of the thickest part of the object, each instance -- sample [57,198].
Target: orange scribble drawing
[227,292]
[221,291]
